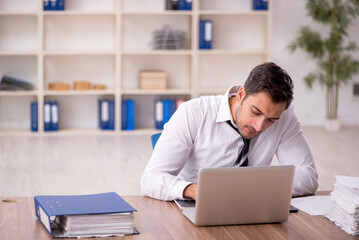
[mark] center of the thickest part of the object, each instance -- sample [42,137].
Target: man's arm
[159,180]
[294,150]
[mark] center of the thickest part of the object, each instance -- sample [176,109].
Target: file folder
[54,116]
[104,114]
[123,115]
[260,4]
[47,208]
[131,114]
[47,116]
[111,115]
[34,116]
[167,111]
[205,34]
[158,114]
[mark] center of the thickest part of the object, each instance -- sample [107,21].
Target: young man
[245,127]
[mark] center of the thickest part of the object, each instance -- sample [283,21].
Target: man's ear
[240,94]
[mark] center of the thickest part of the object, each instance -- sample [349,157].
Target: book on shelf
[34,116]
[205,34]
[106,114]
[151,79]
[94,215]
[8,83]
[164,109]
[260,4]
[128,114]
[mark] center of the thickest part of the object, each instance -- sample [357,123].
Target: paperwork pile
[344,208]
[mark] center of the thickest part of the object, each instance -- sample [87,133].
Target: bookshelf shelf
[79,92]
[109,42]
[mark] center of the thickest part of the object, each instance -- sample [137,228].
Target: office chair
[154,139]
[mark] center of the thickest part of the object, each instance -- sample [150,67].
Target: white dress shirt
[198,136]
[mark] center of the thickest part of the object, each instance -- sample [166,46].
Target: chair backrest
[154,139]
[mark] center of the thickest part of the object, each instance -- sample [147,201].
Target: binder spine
[260,4]
[131,114]
[123,115]
[47,116]
[158,114]
[111,112]
[104,114]
[34,116]
[167,111]
[42,216]
[205,34]
[54,116]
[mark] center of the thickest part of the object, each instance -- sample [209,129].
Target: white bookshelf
[108,42]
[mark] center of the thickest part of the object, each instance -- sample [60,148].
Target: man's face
[256,113]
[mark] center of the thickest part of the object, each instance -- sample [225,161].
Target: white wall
[288,17]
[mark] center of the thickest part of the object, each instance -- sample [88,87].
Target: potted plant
[335,66]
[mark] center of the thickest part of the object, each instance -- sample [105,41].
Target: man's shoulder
[204,102]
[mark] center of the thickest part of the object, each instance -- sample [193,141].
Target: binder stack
[164,109]
[54,5]
[96,215]
[344,209]
[152,80]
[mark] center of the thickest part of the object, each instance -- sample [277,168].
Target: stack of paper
[152,80]
[344,209]
[97,225]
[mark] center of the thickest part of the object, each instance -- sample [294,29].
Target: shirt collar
[224,111]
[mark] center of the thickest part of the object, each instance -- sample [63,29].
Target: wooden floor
[84,164]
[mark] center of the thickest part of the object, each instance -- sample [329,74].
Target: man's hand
[190,191]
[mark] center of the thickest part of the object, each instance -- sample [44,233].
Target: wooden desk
[163,220]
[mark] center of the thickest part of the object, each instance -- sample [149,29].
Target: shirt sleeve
[159,180]
[294,150]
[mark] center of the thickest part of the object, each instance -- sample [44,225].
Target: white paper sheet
[316,205]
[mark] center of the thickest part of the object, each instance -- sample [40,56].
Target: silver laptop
[244,195]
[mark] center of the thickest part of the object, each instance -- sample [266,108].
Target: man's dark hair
[271,79]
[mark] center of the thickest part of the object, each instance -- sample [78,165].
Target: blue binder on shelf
[46,4]
[54,116]
[167,111]
[34,116]
[260,4]
[60,5]
[107,114]
[52,5]
[184,4]
[123,115]
[48,208]
[111,113]
[131,114]
[205,34]
[158,114]
[47,116]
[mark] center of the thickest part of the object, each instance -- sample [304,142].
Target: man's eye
[256,113]
[271,120]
